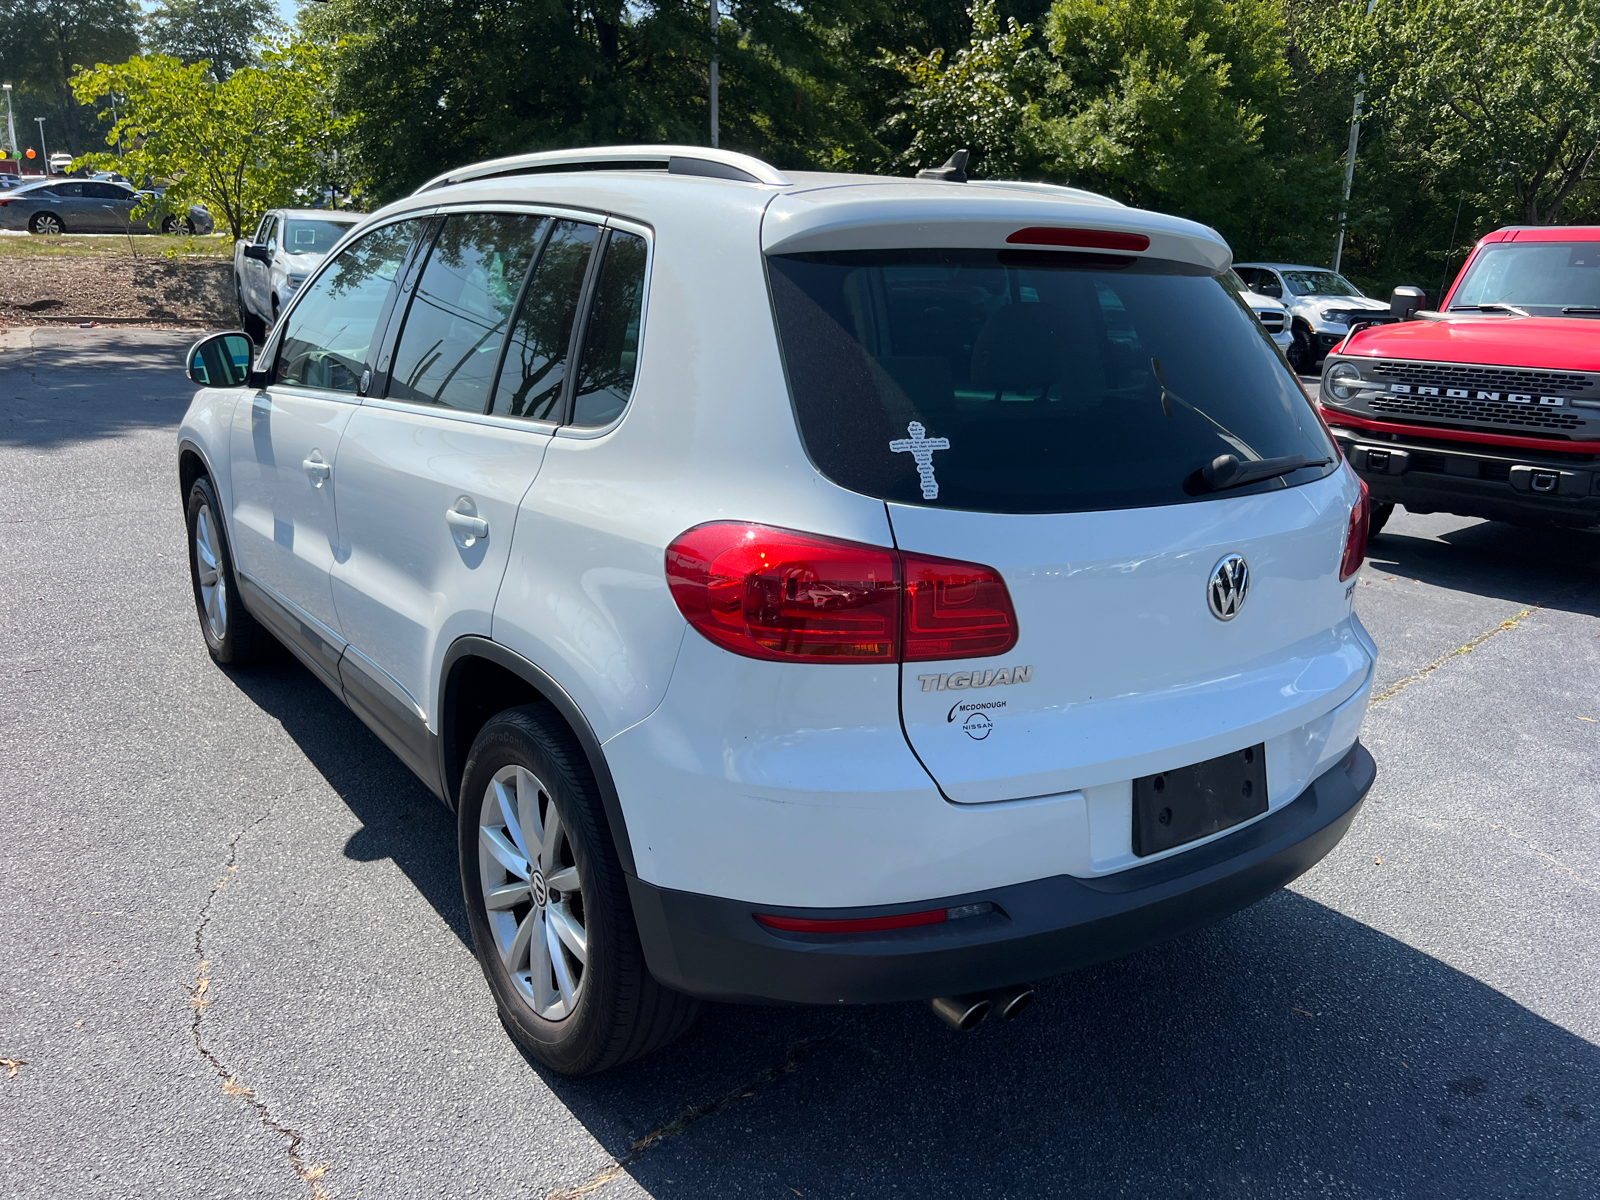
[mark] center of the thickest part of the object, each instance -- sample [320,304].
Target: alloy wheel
[532,895]
[47,223]
[208,569]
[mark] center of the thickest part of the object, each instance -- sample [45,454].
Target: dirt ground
[149,290]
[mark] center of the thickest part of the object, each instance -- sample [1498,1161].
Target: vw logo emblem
[1230,584]
[537,886]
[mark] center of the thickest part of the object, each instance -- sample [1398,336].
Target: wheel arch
[191,465]
[480,678]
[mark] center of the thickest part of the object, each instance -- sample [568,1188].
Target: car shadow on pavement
[1288,1051]
[1553,568]
[400,818]
[77,385]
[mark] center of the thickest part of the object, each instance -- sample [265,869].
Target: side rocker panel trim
[453,757]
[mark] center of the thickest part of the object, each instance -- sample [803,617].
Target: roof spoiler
[675,160]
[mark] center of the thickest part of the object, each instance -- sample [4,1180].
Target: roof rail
[676,160]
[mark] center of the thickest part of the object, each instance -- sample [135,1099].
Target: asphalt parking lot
[233,958]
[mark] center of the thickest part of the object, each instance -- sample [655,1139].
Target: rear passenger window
[457,321]
[611,344]
[329,332]
[536,358]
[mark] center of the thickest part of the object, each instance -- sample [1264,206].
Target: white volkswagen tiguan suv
[804,588]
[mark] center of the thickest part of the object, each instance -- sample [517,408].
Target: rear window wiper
[1510,308]
[1226,471]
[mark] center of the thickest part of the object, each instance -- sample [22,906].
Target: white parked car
[270,266]
[1322,306]
[1274,317]
[804,588]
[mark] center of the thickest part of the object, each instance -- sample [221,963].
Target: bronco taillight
[1355,540]
[778,594]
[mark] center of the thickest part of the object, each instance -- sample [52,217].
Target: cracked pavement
[232,955]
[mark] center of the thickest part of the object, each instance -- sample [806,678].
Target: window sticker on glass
[921,450]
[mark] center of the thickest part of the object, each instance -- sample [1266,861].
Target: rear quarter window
[1030,381]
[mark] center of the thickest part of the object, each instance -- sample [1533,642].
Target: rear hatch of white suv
[1113,435]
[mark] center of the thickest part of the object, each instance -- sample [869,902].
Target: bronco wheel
[547,903]
[1378,518]
[232,635]
[47,224]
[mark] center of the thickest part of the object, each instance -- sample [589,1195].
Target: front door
[430,484]
[286,440]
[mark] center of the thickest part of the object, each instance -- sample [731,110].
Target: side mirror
[221,360]
[1404,302]
[259,253]
[1271,287]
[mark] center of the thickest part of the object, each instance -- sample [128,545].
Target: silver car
[95,206]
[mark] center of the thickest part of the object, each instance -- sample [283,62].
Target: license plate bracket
[1173,807]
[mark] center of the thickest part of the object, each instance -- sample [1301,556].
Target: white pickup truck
[269,267]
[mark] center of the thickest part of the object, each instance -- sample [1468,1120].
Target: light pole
[43,152]
[1350,156]
[11,123]
[716,24]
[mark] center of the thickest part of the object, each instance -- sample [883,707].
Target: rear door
[430,478]
[1065,405]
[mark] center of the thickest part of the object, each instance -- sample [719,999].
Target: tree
[223,33]
[979,101]
[1497,100]
[44,42]
[240,146]
[1170,104]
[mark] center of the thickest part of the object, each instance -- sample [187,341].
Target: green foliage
[980,101]
[1495,100]
[239,147]
[43,43]
[223,33]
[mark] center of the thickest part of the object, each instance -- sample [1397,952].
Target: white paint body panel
[283,526]
[405,586]
[1131,674]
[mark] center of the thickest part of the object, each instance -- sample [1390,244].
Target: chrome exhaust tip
[965,1013]
[1009,1002]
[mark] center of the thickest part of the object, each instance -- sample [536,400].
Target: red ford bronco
[1489,407]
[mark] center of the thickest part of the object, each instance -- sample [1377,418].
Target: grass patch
[88,245]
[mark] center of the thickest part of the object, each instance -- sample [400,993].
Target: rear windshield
[1031,381]
[1549,279]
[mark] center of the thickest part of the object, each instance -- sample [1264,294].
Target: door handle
[318,470]
[466,526]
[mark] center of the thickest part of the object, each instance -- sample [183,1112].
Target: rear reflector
[1094,239]
[1355,540]
[932,916]
[795,597]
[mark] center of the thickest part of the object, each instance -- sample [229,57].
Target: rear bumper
[714,948]
[1475,479]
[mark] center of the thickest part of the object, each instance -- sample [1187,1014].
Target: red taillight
[1355,541]
[1092,239]
[796,597]
[955,610]
[932,916]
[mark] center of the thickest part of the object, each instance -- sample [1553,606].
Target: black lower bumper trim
[712,947]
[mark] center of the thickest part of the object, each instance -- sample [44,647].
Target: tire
[248,321]
[169,225]
[576,1015]
[1301,354]
[1378,518]
[46,225]
[232,635]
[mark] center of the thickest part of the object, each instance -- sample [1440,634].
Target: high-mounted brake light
[1355,541]
[1092,239]
[795,597]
